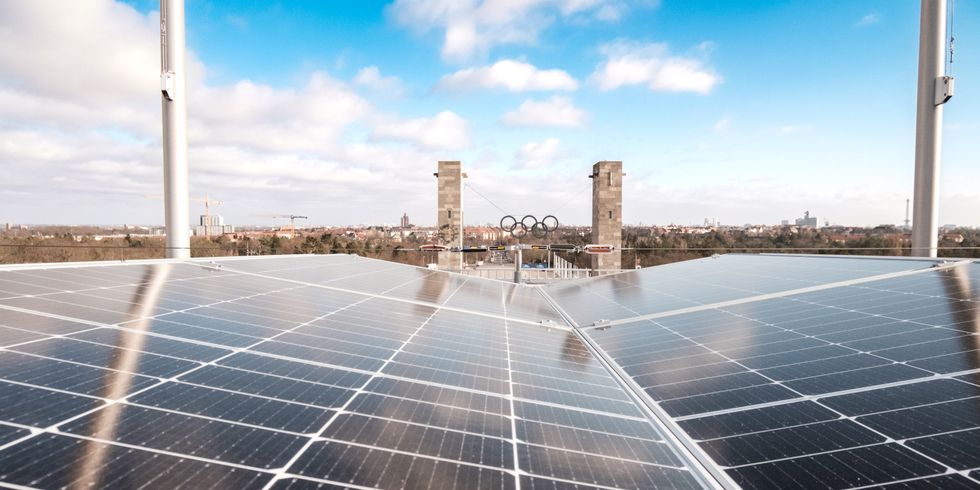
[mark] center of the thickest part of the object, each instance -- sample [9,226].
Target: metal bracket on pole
[167,85]
[944,89]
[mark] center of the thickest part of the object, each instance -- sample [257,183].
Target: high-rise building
[404,222]
[807,221]
[216,220]
[215,227]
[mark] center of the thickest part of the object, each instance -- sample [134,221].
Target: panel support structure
[449,219]
[607,213]
[928,127]
[173,96]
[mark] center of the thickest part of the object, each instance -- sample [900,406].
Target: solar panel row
[175,375]
[332,372]
[849,386]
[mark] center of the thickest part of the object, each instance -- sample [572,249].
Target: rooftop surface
[338,371]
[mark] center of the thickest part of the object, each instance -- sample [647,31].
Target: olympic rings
[528,221]
[512,223]
[553,220]
[528,224]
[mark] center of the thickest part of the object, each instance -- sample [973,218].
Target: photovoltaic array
[344,372]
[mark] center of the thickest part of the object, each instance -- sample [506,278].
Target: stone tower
[449,219]
[607,212]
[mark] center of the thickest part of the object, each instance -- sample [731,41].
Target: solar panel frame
[532,381]
[775,404]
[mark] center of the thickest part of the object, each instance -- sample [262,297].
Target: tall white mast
[174,99]
[934,90]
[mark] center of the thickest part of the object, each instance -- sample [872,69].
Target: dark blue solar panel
[294,371]
[711,280]
[735,378]
[322,372]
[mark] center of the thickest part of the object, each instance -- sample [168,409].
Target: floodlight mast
[173,96]
[934,89]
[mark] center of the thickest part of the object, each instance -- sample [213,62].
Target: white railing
[535,275]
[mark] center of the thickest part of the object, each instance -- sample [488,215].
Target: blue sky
[744,111]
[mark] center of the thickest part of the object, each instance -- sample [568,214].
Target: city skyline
[745,112]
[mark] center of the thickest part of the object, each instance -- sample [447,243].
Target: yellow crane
[291,217]
[207,208]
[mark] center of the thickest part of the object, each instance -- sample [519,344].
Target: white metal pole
[928,128]
[517,263]
[174,100]
[462,222]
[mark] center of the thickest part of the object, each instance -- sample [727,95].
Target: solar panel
[711,280]
[852,385]
[307,371]
[339,371]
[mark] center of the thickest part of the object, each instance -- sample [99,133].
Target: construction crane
[291,217]
[207,208]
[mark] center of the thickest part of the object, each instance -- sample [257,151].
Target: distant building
[785,222]
[405,223]
[216,226]
[807,221]
[486,233]
[216,220]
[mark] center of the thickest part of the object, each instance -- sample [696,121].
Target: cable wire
[486,198]
[951,23]
[559,208]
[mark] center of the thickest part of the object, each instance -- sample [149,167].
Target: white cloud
[445,131]
[868,19]
[75,69]
[80,127]
[554,112]
[310,119]
[535,155]
[472,27]
[652,65]
[371,78]
[512,75]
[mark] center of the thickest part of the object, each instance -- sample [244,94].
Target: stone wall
[607,213]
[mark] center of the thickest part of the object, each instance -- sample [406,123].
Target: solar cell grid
[869,465]
[182,434]
[57,461]
[130,360]
[67,376]
[711,280]
[57,305]
[9,433]
[274,387]
[761,355]
[294,369]
[27,405]
[231,406]
[10,336]
[451,383]
[434,415]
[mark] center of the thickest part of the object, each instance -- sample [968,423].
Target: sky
[743,111]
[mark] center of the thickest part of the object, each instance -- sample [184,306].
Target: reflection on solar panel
[338,372]
[851,385]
